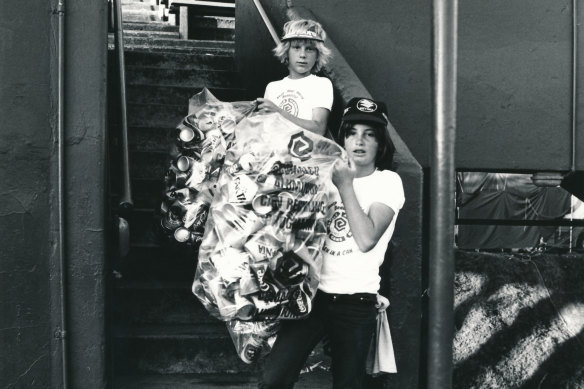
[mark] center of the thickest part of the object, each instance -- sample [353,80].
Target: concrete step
[148,94]
[212,33]
[189,381]
[144,226]
[156,115]
[149,26]
[148,165]
[214,22]
[146,193]
[158,264]
[153,139]
[181,44]
[185,61]
[317,379]
[182,78]
[137,6]
[150,48]
[159,302]
[152,34]
[140,16]
[185,349]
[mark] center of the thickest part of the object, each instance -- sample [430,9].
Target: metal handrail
[125,204]
[267,22]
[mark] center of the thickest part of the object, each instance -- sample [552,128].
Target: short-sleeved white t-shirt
[299,96]
[345,268]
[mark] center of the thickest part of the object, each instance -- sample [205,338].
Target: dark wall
[26,150]
[85,178]
[514,85]
[29,265]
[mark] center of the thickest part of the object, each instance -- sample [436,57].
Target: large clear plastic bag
[200,142]
[260,257]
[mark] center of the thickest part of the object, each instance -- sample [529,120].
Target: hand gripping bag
[260,256]
[199,145]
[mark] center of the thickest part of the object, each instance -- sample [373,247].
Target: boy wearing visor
[302,97]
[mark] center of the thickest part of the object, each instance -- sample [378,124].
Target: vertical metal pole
[574,82]
[62,332]
[442,184]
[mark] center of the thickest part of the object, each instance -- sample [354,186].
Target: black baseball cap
[363,109]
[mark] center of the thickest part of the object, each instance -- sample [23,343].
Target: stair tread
[316,379]
[240,380]
[137,285]
[212,330]
[181,60]
[170,94]
[165,49]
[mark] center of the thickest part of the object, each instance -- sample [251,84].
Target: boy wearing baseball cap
[364,211]
[302,97]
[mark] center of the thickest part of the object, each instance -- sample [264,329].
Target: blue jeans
[348,320]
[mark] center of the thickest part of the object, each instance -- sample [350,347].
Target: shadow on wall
[519,321]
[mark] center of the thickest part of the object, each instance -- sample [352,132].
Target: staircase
[162,336]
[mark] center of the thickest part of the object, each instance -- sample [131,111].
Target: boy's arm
[367,228]
[316,125]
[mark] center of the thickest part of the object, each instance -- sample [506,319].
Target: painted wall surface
[514,91]
[85,187]
[29,265]
[26,150]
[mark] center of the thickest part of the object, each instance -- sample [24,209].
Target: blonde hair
[304,31]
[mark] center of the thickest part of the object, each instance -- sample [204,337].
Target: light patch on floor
[533,350]
[468,285]
[493,315]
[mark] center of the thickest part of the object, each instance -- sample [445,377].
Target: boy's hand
[344,172]
[382,303]
[266,106]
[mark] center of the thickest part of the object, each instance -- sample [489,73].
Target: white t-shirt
[299,96]
[345,268]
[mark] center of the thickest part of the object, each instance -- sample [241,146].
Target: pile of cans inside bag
[260,257]
[200,143]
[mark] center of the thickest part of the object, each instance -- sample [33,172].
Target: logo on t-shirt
[338,228]
[300,146]
[289,105]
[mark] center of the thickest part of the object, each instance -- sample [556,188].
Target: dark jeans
[348,320]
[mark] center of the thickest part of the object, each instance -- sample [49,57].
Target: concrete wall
[29,265]
[26,150]
[514,91]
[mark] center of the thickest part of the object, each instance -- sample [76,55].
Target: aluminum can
[299,303]
[170,222]
[251,350]
[263,204]
[226,123]
[182,235]
[178,208]
[175,178]
[189,136]
[245,308]
[184,163]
